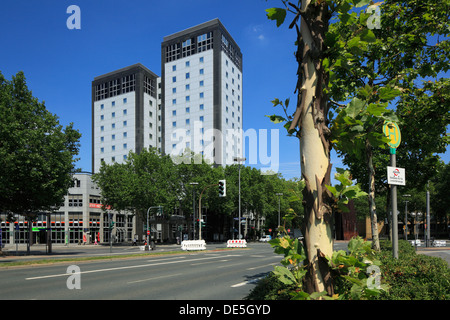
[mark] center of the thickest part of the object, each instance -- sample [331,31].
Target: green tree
[144,180]
[440,201]
[357,132]
[194,172]
[425,113]
[342,58]
[392,57]
[36,152]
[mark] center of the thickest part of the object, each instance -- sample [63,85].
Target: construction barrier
[151,246]
[439,243]
[237,244]
[193,245]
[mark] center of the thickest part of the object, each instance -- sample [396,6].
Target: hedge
[410,277]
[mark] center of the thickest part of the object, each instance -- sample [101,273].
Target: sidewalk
[39,251]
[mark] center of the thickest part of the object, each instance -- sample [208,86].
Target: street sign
[392,131]
[396,176]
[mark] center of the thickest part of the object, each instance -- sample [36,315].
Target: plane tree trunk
[311,119]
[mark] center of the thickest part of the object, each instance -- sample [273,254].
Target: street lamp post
[238,160]
[406,215]
[279,208]
[193,208]
[427,224]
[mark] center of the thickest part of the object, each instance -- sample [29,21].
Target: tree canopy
[36,151]
[151,179]
[37,154]
[356,60]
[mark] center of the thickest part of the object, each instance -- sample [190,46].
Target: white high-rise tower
[201,71]
[126,114]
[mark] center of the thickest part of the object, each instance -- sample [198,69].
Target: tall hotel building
[196,104]
[201,71]
[126,114]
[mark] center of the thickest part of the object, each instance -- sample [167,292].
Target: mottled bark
[311,118]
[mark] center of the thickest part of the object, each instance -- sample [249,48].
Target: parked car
[265,238]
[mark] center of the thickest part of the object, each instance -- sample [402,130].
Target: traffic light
[222,188]
[111,225]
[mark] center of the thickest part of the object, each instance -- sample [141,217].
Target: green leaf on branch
[333,190]
[284,275]
[354,107]
[361,3]
[365,91]
[276,119]
[278,14]
[388,93]
[276,102]
[368,36]
[377,139]
[377,109]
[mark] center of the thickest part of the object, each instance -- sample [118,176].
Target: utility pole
[406,216]
[428,226]
[193,209]
[236,159]
[279,208]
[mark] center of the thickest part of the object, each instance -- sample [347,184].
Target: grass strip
[99,258]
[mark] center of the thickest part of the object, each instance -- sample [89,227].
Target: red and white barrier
[237,244]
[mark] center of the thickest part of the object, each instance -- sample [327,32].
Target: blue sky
[60,64]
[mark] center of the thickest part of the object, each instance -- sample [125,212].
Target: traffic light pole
[148,226]
[200,211]
[148,232]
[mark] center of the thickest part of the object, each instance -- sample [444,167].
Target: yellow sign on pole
[392,131]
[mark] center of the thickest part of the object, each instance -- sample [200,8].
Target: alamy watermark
[225,146]
[74,280]
[74,20]
[374,21]
[374,279]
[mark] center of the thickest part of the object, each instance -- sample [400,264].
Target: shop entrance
[38,236]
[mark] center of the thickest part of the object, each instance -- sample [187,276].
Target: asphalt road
[214,275]
[202,275]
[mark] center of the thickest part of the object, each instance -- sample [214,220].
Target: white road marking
[240,284]
[270,264]
[120,268]
[155,278]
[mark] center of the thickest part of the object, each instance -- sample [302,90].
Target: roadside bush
[410,277]
[404,247]
[270,288]
[352,272]
[413,276]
